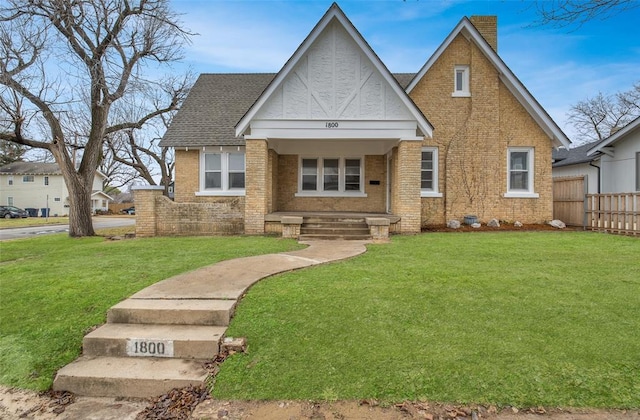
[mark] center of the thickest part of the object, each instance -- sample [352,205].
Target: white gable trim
[515,86]
[336,13]
[602,146]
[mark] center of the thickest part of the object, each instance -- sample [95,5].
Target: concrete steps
[188,341]
[128,376]
[148,347]
[334,227]
[172,311]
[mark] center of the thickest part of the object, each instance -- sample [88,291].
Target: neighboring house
[41,185]
[619,156]
[611,165]
[570,163]
[335,131]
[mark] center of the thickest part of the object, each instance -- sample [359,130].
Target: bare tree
[72,58]
[598,117]
[562,13]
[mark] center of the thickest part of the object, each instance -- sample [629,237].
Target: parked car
[129,210]
[10,212]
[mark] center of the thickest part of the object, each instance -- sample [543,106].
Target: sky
[559,66]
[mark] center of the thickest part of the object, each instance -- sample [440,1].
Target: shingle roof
[215,104]
[30,168]
[565,157]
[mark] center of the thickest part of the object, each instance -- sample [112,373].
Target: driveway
[98,223]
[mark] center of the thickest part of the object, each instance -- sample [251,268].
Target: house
[335,131]
[576,163]
[41,185]
[619,157]
[611,165]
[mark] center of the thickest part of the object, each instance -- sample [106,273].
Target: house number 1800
[331,125]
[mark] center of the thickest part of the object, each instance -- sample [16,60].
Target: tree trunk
[80,221]
[79,185]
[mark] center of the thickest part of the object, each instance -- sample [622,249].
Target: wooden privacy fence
[615,213]
[568,199]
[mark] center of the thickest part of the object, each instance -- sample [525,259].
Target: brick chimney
[488,28]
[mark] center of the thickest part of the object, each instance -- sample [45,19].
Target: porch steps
[148,347]
[334,227]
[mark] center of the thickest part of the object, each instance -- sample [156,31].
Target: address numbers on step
[142,347]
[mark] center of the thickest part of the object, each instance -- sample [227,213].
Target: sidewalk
[225,281]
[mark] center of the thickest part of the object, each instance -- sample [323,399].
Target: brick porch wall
[287,187]
[258,186]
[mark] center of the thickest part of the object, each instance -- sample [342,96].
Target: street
[98,223]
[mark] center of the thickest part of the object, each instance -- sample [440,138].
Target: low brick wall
[157,215]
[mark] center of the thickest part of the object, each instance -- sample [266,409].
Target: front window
[223,172]
[429,172]
[10,180]
[520,172]
[10,201]
[46,180]
[330,176]
[28,178]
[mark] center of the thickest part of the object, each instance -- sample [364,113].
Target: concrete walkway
[203,298]
[230,279]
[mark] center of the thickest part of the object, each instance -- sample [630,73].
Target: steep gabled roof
[334,14]
[515,86]
[618,135]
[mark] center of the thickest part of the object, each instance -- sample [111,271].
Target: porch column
[256,185]
[408,204]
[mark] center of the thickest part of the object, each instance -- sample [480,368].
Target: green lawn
[53,288]
[521,319]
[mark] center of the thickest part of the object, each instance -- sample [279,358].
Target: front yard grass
[522,319]
[54,288]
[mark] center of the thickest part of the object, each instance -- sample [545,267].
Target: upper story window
[222,173]
[10,180]
[520,173]
[330,176]
[429,172]
[461,81]
[46,180]
[28,178]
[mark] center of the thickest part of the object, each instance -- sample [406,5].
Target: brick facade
[473,135]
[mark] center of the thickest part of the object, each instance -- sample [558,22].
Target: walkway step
[135,340]
[128,376]
[331,237]
[172,311]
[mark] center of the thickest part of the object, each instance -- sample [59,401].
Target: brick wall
[472,135]
[406,186]
[157,215]
[287,187]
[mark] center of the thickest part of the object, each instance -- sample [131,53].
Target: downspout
[598,191]
[598,168]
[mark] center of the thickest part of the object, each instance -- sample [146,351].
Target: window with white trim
[429,172]
[9,201]
[461,81]
[330,176]
[223,171]
[28,178]
[520,172]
